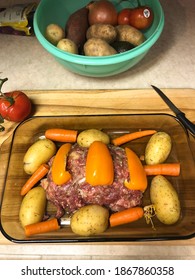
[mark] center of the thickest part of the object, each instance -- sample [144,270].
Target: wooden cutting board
[91,102]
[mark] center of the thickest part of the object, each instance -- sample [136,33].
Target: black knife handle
[187,123]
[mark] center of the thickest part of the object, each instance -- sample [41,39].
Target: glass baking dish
[32,129]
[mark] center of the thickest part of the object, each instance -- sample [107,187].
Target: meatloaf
[77,192]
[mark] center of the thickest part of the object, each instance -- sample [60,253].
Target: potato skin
[90,220]
[165,199]
[38,153]
[33,206]
[130,34]
[87,137]
[67,45]
[106,32]
[54,33]
[98,47]
[158,148]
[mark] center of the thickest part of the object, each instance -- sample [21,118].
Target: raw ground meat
[77,192]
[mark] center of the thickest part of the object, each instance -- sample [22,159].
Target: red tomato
[123,16]
[141,17]
[14,106]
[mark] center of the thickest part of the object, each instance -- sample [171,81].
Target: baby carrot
[131,136]
[61,135]
[35,177]
[170,169]
[126,216]
[41,227]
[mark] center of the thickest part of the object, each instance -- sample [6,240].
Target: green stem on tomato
[2,128]
[2,81]
[2,95]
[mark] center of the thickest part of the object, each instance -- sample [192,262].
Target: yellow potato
[87,137]
[130,34]
[33,205]
[165,199]
[90,220]
[158,148]
[54,33]
[106,32]
[98,47]
[67,45]
[38,153]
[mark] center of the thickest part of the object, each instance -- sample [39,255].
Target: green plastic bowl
[58,11]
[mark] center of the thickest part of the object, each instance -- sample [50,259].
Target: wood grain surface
[82,102]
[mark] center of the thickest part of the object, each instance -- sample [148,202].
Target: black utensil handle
[187,123]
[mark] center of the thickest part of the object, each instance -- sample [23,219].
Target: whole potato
[33,205]
[129,34]
[165,199]
[106,32]
[158,148]
[38,153]
[90,220]
[54,33]
[87,137]
[67,45]
[98,47]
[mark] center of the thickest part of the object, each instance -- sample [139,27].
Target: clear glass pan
[30,130]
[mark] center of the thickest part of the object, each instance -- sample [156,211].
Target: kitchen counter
[90,102]
[170,64]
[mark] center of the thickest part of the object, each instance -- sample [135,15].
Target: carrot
[138,178]
[126,216]
[170,169]
[132,136]
[61,135]
[41,227]
[35,177]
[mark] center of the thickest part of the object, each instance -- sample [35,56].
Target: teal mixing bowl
[58,11]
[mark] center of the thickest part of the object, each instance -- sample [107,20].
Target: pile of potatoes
[99,39]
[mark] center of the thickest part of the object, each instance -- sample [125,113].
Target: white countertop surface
[169,64]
